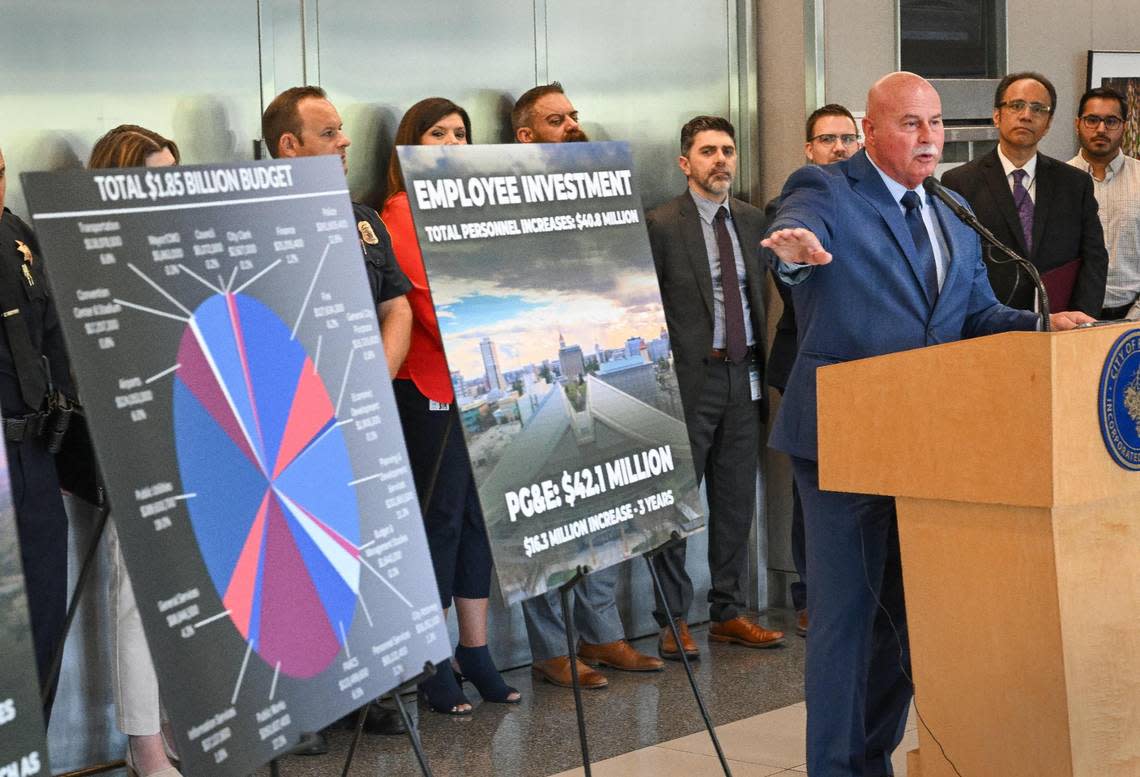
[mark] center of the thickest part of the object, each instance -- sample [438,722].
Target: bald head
[890,88]
[903,127]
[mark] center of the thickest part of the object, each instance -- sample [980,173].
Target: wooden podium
[1020,543]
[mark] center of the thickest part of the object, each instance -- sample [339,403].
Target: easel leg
[73,606]
[413,733]
[685,660]
[572,651]
[358,732]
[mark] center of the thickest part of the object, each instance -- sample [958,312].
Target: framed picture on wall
[1121,71]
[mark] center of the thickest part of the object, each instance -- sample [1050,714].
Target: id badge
[433,405]
[754,381]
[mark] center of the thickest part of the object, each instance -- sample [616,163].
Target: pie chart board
[223,334]
[267,474]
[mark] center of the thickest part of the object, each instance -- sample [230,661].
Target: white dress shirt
[1118,198]
[1030,169]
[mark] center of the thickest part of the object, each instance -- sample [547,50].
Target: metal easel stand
[572,653]
[684,658]
[409,724]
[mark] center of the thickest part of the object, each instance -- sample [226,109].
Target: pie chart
[266,471]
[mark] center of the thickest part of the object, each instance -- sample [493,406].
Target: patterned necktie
[1024,205]
[918,232]
[737,345]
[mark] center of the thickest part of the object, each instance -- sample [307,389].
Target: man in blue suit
[876,267]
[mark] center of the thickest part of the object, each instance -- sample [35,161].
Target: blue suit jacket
[870,300]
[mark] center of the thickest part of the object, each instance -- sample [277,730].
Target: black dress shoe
[378,719]
[384,721]
[312,744]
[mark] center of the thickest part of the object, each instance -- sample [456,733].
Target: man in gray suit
[545,114]
[706,246]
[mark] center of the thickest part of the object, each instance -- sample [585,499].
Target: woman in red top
[453,519]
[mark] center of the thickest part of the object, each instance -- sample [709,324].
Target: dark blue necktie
[921,237]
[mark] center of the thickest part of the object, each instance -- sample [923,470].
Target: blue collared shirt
[707,210]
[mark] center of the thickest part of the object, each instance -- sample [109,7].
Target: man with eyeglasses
[1100,125]
[1039,206]
[831,135]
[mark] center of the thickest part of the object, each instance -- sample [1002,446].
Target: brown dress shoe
[801,623]
[556,671]
[619,655]
[667,646]
[745,632]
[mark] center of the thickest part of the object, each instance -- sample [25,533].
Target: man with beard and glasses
[545,114]
[706,248]
[1038,206]
[1101,119]
[876,266]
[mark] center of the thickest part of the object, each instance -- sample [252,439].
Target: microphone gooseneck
[936,189]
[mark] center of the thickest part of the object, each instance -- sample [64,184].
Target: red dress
[426,365]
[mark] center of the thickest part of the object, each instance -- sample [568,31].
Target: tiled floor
[641,726]
[632,716]
[768,744]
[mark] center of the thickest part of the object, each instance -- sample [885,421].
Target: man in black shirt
[33,374]
[302,122]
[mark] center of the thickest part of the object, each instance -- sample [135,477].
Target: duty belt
[26,427]
[50,424]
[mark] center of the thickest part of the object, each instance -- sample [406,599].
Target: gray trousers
[595,614]
[725,438]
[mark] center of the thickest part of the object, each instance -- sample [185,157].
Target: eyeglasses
[1017,106]
[1092,121]
[829,139]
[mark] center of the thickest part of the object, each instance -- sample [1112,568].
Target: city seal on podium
[1119,401]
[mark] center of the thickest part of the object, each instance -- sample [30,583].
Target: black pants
[41,523]
[453,518]
[724,431]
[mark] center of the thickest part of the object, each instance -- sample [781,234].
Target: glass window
[953,38]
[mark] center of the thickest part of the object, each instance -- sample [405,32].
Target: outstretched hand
[796,246]
[1069,319]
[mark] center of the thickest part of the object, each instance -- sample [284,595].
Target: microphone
[935,189]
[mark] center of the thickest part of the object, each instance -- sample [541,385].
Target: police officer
[33,377]
[302,122]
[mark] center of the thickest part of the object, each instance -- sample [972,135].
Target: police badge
[367,234]
[26,252]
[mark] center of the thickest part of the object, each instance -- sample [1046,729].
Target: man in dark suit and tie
[876,266]
[706,246]
[1040,207]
